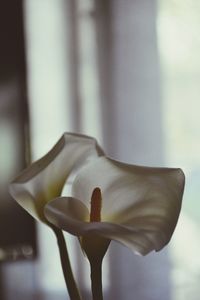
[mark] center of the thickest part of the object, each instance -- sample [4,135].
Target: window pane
[179,42]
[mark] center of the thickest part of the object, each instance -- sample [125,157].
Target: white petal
[67,213]
[146,200]
[44,179]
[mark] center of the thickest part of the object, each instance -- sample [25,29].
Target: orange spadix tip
[95,205]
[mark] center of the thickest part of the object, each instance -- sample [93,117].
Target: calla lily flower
[44,180]
[135,205]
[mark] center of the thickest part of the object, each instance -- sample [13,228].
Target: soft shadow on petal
[71,215]
[44,179]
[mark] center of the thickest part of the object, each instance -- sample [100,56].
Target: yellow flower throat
[95,205]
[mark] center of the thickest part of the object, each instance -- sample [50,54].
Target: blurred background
[126,72]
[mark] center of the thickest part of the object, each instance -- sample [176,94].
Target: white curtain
[133,130]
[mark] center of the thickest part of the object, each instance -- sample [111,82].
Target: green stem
[66,265]
[96,279]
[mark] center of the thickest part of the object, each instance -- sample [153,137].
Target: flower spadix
[43,180]
[139,205]
[93,245]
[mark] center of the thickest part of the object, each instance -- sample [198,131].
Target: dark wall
[17,229]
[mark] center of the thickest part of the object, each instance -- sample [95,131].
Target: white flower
[135,205]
